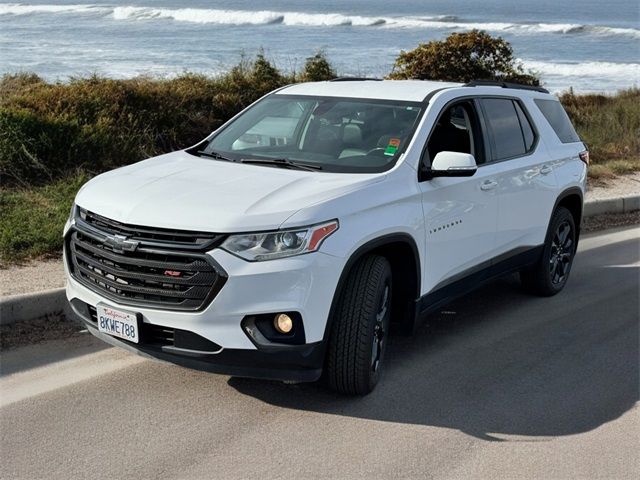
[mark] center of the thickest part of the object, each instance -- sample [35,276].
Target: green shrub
[48,130]
[318,69]
[462,57]
[264,76]
[35,149]
[32,219]
[55,136]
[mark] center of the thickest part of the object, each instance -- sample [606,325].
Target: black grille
[164,237]
[149,275]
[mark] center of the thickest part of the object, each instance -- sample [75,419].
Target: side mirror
[452,164]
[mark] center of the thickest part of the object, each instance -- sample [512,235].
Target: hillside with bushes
[55,136]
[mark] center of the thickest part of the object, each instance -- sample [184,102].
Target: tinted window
[454,132]
[527,130]
[558,119]
[503,122]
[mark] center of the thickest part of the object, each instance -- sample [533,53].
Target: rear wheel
[360,328]
[550,274]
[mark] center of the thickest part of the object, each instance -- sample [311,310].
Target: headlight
[256,247]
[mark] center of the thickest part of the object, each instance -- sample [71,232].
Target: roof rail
[500,83]
[355,79]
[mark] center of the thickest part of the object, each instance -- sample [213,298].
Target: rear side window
[558,119]
[502,117]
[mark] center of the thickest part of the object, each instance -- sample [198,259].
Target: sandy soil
[618,187]
[32,277]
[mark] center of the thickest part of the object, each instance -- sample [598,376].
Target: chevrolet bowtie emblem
[120,243]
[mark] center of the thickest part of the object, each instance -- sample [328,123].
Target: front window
[328,133]
[457,130]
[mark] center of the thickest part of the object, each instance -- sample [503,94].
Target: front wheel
[550,274]
[360,328]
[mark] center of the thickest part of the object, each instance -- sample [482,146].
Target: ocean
[590,45]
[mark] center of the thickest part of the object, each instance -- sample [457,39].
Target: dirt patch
[608,220]
[49,327]
[33,276]
[620,186]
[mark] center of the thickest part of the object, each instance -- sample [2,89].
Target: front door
[460,213]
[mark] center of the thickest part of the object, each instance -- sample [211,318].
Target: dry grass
[48,130]
[610,126]
[54,136]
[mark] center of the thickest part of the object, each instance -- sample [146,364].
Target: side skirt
[475,277]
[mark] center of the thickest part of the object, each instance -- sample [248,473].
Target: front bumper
[304,284]
[296,363]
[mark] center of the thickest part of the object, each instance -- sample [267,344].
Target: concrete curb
[30,306]
[611,205]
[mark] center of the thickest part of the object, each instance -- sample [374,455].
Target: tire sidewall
[349,359]
[385,279]
[560,216]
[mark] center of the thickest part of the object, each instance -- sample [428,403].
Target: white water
[265,17]
[597,50]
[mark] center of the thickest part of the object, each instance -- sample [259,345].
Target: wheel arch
[401,250]
[572,199]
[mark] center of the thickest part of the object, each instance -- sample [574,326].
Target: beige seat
[351,141]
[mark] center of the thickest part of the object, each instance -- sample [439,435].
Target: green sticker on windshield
[392,147]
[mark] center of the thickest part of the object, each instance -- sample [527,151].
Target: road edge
[624,204]
[32,306]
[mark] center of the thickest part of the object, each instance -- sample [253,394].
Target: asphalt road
[500,385]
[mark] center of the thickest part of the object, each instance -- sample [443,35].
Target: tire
[550,274]
[360,328]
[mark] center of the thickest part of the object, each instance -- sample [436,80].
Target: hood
[184,192]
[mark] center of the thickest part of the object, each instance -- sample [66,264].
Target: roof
[402,90]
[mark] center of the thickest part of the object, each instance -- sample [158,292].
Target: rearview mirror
[452,164]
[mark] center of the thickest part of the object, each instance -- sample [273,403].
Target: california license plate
[118,323]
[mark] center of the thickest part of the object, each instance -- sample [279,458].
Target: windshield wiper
[214,154]
[283,162]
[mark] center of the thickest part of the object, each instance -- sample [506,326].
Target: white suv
[286,244]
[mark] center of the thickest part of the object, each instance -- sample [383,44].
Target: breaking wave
[628,71]
[267,17]
[22,9]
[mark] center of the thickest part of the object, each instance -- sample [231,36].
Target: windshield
[332,134]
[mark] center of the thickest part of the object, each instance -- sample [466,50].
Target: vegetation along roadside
[55,136]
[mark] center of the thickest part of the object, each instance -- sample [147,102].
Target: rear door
[525,183]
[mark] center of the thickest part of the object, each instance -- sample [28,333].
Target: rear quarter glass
[555,114]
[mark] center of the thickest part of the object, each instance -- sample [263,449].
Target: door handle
[488,185]
[545,170]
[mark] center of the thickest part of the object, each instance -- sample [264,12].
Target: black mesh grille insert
[147,276]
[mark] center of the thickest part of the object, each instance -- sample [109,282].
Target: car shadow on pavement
[500,362]
[38,354]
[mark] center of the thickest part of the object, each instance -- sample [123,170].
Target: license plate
[118,323]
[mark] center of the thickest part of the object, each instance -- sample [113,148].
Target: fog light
[283,323]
